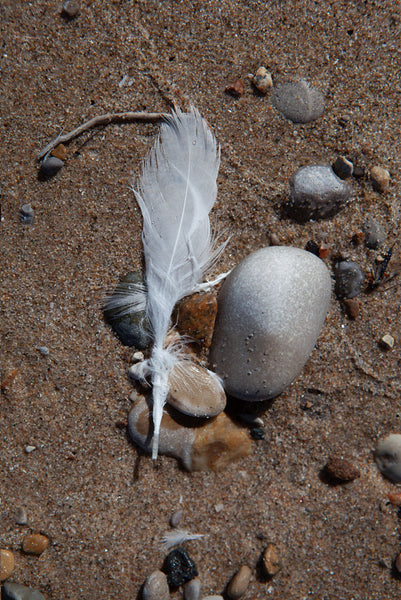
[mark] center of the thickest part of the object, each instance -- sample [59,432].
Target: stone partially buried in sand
[204,446]
[272,307]
[388,457]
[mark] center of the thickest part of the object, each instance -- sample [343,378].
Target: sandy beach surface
[104,506]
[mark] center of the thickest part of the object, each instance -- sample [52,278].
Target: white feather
[176,192]
[178,537]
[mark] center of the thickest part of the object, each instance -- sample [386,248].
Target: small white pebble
[28,449]
[219,507]
[387,341]
[138,356]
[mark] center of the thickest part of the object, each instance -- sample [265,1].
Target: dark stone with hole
[179,567]
[130,326]
[350,279]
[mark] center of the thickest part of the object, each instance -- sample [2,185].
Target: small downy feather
[175,192]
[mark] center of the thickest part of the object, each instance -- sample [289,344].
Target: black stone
[179,567]
[350,279]
[130,326]
[257,433]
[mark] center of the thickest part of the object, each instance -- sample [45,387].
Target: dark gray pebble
[17,591]
[179,567]
[350,279]
[26,214]
[298,101]
[374,234]
[50,166]
[130,326]
[316,193]
[343,167]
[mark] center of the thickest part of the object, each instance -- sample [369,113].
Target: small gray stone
[374,234]
[350,279]
[16,591]
[26,214]
[21,516]
[316,193]
[70,9]
[50,166]
[343,167]
[156,587]
[192,589]
[44,350]
[129,325]
[388,457]
[176,517]
[272,307]
[298,101]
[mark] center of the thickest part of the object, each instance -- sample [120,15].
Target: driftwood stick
[124,117]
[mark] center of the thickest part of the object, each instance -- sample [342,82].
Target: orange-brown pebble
[239,583]
[339,468]
[7,563]
[395,498]
[35,543]
[235,89]
[270,561]
[352,307]
[196,317]
[60,152]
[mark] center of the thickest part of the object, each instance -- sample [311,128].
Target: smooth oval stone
[156,587]
[195,391]
[272,307]
[316,193]
[298,101]
[388,457]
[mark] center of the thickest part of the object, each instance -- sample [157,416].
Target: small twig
[124,117]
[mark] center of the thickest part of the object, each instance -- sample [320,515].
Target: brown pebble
[352,307]
[35,543]
[196,317]
[7,563]
[339,468]
[262,80]
[397,563]
[274,240]
[380,179]
[239,583]
[395,498]
[324,251]
[270,561]
[235,89]
[60,152]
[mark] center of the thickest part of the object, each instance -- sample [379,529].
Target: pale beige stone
[270,560]
[239,583]
[195,391]
[7,563]
[156,587]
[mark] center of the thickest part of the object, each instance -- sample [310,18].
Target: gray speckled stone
[17,591]
[271,310]
[316,193]
[298,101]
[388,457]
[350,279]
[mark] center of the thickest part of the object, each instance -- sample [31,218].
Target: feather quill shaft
[175,192]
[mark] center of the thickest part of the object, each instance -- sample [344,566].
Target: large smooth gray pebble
[271,310]
[388,457]
[17,591]
[316,193]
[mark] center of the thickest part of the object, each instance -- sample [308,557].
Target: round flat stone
[195,391]
[298,101]
[272,307]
